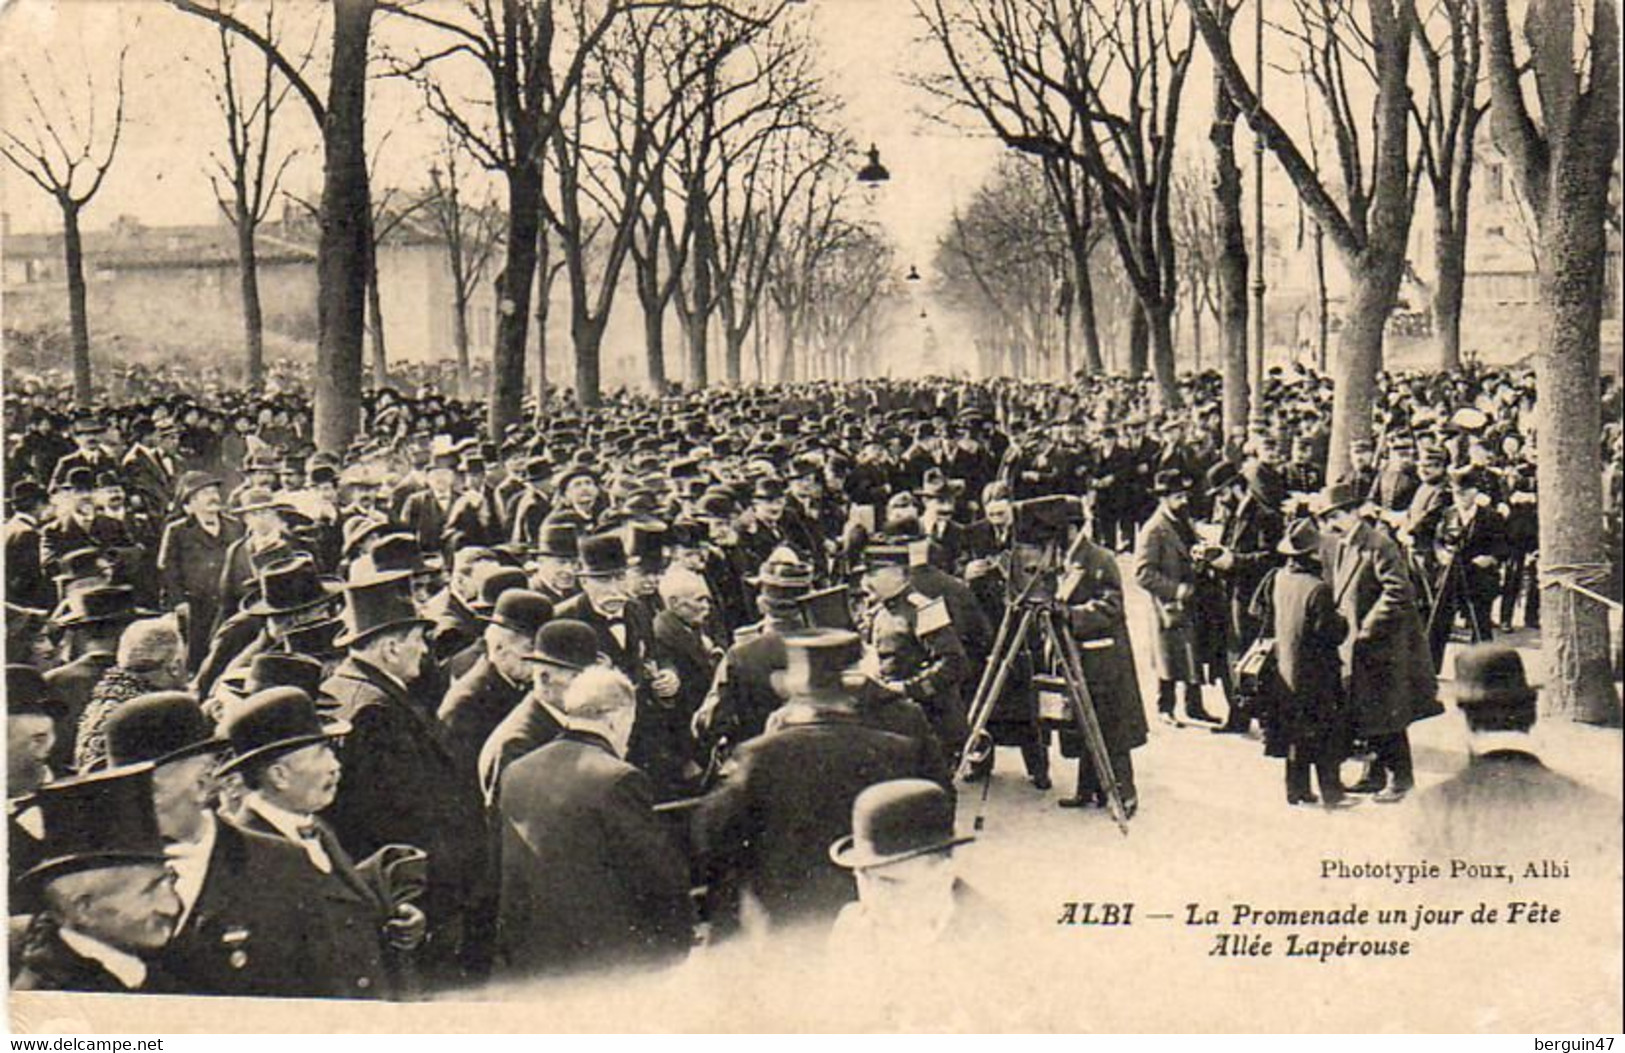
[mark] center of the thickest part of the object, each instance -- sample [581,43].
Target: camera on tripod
[1039,534]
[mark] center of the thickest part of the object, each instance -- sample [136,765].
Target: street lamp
[913,274]
[873,173]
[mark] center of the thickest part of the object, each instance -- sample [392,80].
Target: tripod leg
[1083,708]
[987,693]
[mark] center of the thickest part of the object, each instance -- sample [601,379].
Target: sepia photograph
[812,516]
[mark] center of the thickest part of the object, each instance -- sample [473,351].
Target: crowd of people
[444,707]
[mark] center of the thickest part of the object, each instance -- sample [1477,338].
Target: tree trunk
[544,306]
[513,301]
[1574,630]
[78,320]
[1139,340]
[654,338]
[1323,322]
[248,271]
[1196,336]
[1359,354]
[1232,269]
[1162,356]
[1088,324]
[588,337]
[342,256]
[1450,262]
[733,360]
[375,317]
[459,341]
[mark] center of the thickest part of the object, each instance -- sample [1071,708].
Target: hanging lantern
[873,173]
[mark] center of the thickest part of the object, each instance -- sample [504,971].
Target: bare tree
[1346,50]
[1231,266]
[67,154]
[1448,126]
[245,180]
[469,232]
[1563,161]
[1095,84]
[856,276]
[1194,210]
[344,252]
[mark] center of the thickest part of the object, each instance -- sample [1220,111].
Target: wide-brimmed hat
[374,605]
[1302,539]
[275,720]
[293,584]
[159,728]
[100,604]
[897,820]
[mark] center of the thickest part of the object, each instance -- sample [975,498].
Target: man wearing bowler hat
[1506,804]
[283,751]
[562,649]
[33,717]
[591,876]
[1165,568]
[245,918]
[27,584]
[106,901]
[480,698]
[764,832]
[910,895]
[404,783]
[191,559]
[94,619]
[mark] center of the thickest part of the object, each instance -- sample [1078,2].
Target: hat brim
[331,588]
[132,615]
[36,877]
[333,729]
[347,639]
[543,659]
[845,852]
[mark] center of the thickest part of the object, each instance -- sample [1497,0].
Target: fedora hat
[27,694]
[522,611]
[358,529]
[272,721]
[395,553]
[259,499]
[78,565]
[1339,495]
[158,728]
[375,605]
[1302,539]
[99,604]
[317,639]
[566,643]
[1491,687]
[603,556]
[104,819]
[897,820]
[292,584]
[274,669]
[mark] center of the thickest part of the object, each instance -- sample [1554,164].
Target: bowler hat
[1491,687]
[602,556]
[491,582]
[374,606]
[276,669]
[521,610]
[27,694]
[158,728]
[275,720]
[78,480]
[104,819]
[571,474]
[566,643]
[26,493]
[1170,481]
[192,482]
[897,820]
[292,584]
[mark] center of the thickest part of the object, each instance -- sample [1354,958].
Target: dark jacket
[591,876]
[48,964]
[477,702]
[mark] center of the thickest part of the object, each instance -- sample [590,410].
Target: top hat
[274,669]
[897,820]
[158,728]
[27,694]
[1339,495]
[829,653]
[1301,539]
[192,482]
[566,643]
[829,608]
[602,556]
[649,546]
[275,720]
[491,582]
[557,540]
[292,584]
[375,605]
[99,604]
[104,819]
[521,610]
[1491,688]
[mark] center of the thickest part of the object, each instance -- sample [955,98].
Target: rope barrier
[1575,580]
